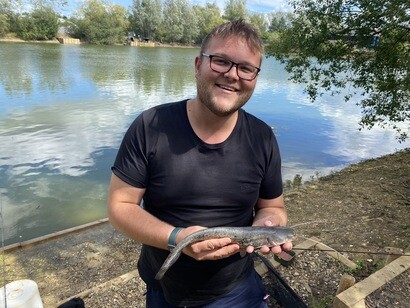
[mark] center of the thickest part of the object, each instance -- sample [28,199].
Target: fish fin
[242,253]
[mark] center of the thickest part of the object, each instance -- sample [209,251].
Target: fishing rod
[355,251]
[339,251]
[3,253]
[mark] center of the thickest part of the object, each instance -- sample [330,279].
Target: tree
[4,24]
[235,9]
[41,24]
[332,44]
[5,15]
[54,4]
[261,23]
[100,23]
[279,21]
[208,18]
[172,23]
[146,17]
[179,24]
[191,30]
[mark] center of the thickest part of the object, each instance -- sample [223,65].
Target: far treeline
[328,45]
[101,22]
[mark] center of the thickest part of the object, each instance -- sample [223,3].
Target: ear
[198,62]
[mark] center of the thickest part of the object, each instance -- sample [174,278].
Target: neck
[209,127]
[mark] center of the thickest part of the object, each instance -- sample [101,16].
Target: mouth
[227,88]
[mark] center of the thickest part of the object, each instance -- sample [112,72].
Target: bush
[41,24]
[99,24]
[4,25]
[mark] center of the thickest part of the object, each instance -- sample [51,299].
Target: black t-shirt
[189,182]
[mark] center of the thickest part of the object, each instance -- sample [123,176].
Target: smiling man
[198,163]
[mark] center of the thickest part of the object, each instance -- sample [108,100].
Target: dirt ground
[363,208]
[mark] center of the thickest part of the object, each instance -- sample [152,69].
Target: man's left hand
[270,221]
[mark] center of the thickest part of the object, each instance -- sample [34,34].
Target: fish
[243,236]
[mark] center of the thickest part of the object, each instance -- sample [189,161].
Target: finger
[287,246]
[268,223]
[220,253]
[216,243]
[264,249]
[226,251]
[276,249]
[250,249]
[262,221]
[209,245]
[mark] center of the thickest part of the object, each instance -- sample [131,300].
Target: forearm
[138,224]
[141,226]
[127,216]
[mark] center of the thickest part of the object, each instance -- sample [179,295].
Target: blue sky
[255,6]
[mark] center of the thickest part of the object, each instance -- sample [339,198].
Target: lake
[64,110]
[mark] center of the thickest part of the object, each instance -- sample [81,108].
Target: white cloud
[66,138]
[349,141]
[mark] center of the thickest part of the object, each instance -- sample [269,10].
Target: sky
[253,6]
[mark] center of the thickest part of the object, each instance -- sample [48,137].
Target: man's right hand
[212,249]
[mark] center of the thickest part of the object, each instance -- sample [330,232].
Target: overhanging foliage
[364,44]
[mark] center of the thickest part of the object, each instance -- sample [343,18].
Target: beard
[207,97]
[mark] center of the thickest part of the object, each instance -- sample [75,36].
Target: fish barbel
[243,236]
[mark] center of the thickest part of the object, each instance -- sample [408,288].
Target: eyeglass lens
[222,65]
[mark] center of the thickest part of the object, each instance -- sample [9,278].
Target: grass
[323,302]
[365,268]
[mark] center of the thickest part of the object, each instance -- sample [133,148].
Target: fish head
[281,235]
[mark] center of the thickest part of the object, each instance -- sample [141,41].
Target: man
[202,162]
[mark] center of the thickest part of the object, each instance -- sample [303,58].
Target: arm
[127,216]
[271,212]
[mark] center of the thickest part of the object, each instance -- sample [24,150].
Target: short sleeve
[272,186]
[131,162]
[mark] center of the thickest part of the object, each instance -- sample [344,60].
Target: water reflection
[15,78]
[64,110]
[320,137]
[105,63]
[59,136]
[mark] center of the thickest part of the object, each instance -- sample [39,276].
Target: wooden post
[354,297]
[346,282]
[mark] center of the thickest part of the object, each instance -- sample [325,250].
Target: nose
[233,72]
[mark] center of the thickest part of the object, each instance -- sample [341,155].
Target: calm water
[64,110]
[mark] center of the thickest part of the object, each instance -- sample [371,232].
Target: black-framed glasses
[222,65]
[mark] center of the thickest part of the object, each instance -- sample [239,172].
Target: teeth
[227,88]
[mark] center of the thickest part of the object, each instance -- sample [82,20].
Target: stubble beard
[206,97]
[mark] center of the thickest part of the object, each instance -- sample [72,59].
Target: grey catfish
[244,236]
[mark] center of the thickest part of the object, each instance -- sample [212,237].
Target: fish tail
[172,258]
[160,274]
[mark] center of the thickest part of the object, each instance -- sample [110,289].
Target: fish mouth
[287,235]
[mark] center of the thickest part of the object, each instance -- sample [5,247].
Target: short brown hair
[238,27]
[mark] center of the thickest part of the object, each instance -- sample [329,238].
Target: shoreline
[55,41]
[58,234]
[18,40]
[52,236]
